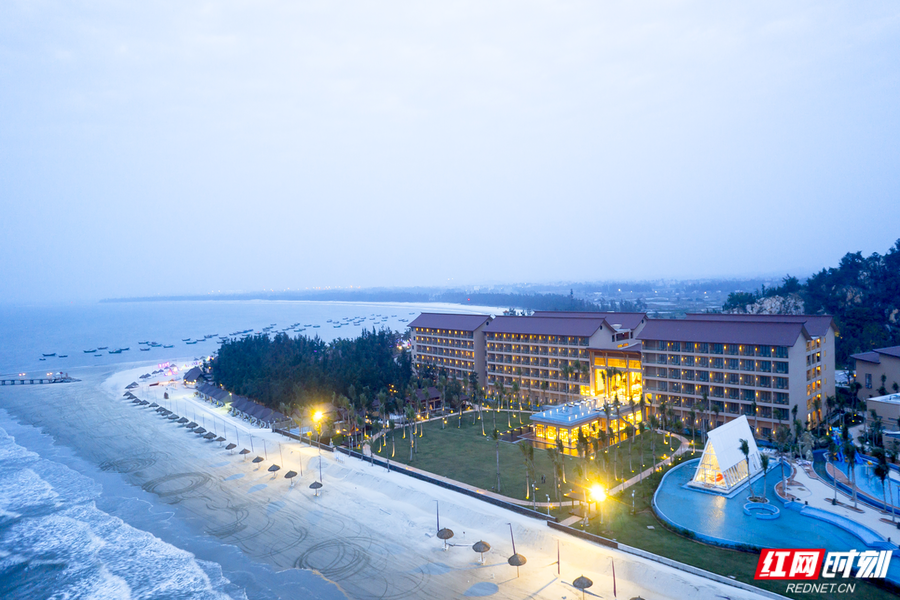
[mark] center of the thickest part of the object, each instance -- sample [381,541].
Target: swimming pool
[719,520]
[870,484]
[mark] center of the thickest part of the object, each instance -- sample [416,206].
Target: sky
[192,147]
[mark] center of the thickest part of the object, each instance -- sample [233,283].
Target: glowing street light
[599,495]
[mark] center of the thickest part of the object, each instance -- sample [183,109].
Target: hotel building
[559,357]
[452,342]
[775,361]
[876,369]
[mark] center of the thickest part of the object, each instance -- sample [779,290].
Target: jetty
[44,379]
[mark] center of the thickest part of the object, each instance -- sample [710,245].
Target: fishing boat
[90,351]
[115,351]
[169,346]
[145,349]
[143,342]
[63,356]
[186,340]
[102,347]
[42,359]
[49,355]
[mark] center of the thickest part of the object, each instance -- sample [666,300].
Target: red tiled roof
[582,327]
[764,333]
[624,320]
[816,325]
[450,321]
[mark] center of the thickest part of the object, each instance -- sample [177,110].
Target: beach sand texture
[370,532]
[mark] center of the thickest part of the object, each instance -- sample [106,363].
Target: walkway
[682,449]
[809,488]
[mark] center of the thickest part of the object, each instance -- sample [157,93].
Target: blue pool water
[870,484]
[721,519]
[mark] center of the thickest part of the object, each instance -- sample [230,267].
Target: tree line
[861,293]
[284,372]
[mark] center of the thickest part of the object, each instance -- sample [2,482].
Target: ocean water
[69,528]
[29,332]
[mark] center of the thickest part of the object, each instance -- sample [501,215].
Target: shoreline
[370,532]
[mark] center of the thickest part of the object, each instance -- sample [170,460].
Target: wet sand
[370,532]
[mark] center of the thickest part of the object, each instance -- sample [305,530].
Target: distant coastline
[533,301]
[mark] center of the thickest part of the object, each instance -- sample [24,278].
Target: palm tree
[693,415]
[561,451]
[393,446]
[410,417]
[629,431]
[654,425]
[553,453]
[882,471]
[545,385]
[716,410]
[527,451]
[495,435]
[830,456]
[850,457]
[764,461]
[514,388]
[745,450]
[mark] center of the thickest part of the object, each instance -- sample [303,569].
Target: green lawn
[464,455]
[460,452]
[632,529]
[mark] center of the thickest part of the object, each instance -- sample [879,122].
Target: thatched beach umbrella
[231,447]
[190,425]
[481,547]
[273,468]
[210,436]
[219,439]
[316,485]
[442,534]
[290,475]
[244,452]
[516,560]
[258,460]
[182,420]
[154,405]
[199,431]
[172,417]
[582,583]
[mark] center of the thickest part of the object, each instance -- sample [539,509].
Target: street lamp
[599,495]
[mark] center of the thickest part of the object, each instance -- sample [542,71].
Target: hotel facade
[760,366]
[453,343]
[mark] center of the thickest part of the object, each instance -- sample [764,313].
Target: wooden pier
[36,380]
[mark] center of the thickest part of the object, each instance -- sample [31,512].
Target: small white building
[723,467]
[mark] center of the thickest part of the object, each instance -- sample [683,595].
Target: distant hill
[862,293]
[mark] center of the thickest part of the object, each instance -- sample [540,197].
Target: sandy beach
[370,532]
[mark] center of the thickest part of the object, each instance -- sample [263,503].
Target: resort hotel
[764,367]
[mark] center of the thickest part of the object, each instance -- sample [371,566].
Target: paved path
[809,488]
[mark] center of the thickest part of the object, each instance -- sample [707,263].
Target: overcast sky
[181,147]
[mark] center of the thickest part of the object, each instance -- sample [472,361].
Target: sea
[70,529]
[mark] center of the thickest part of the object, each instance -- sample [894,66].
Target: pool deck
[818,493]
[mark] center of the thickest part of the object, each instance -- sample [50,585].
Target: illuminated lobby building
[589,415]
[558,357]
[772,362]
[452,342]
